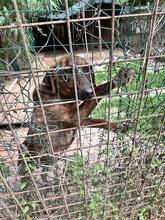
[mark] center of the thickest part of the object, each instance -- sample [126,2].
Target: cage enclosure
[82,99]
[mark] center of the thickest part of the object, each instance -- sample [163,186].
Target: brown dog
[59,87]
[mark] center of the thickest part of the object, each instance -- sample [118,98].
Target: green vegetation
[123,107]
[12,50]
[126,106]
[139,2]
[5,170]
[98,180]
[42,7]
[143,213]
[98,177]
[95,176]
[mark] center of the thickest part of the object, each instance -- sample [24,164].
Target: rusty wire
[103,175]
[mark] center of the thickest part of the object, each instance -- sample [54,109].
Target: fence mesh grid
[111,167]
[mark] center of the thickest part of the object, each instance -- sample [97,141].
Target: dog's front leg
[89,105]
[123,77]
[99,123]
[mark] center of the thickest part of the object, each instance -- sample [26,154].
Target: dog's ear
[48,81]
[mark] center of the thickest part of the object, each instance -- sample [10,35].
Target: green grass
[126,106]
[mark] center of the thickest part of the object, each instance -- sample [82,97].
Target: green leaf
[34,205]
[142,214]
[23,184]
[2,19]
[32,166]
[122,1]
[97,167]
[54,4]
[158,162]
[92,206]
[6,11]
[81,192]
[111,206]
[26,209]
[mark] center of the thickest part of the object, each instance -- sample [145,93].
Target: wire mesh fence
[82,120]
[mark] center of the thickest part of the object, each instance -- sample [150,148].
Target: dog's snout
[88,93]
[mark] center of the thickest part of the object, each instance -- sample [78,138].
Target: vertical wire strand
[144,70]
[76,93]
[111,58]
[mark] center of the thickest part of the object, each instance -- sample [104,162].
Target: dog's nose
[88,93]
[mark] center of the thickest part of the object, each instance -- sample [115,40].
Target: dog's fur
[57,88]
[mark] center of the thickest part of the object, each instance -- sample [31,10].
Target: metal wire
[104,174]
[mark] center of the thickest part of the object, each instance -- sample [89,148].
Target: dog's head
[62,82]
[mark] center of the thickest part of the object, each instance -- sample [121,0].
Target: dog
[62,118]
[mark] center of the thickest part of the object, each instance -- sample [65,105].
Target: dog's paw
[125,75]
[124,127]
